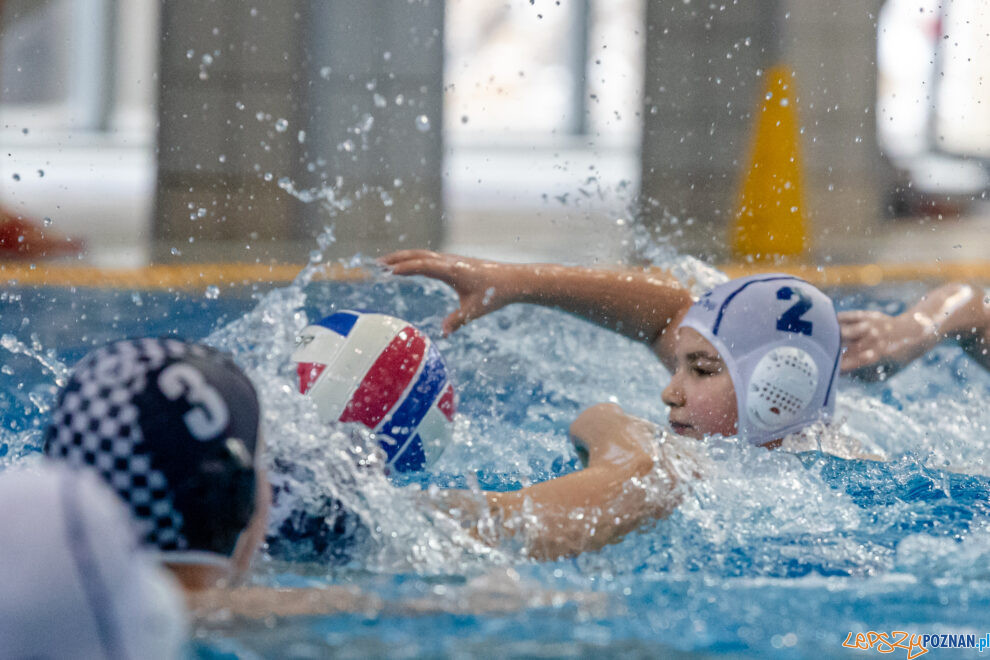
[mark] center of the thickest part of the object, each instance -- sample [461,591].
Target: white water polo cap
[72,581]
[779,339]
[381,372]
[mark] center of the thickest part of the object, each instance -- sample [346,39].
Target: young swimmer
[878,345]
[173,428]
[757,357]
[72,584]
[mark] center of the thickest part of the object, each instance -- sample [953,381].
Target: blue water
[778,554]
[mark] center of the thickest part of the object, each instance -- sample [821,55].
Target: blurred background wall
[216,129]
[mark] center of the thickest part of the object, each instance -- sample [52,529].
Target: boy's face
[701,396]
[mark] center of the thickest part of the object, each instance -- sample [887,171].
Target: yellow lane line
[185,276]
[862,275]
[191,276]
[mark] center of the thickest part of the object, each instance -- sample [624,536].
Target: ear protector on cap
[779,338]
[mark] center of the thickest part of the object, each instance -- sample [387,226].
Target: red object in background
[21,238]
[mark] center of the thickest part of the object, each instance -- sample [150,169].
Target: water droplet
[422,123]
[24,131]
[281,125]
[222,158]
[175,252]
[190,53]
[212,292]
[301,137]
[387,55]
[207,59]
[315,257]
[41,173]
[380,101]
[399,99]
[464,119]
[17,177]
[325,72]
[269,176]
[346,145]
[201,212]
[239,105]
[47,222]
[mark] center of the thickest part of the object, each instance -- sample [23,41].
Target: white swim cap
[72,584]
[779,339]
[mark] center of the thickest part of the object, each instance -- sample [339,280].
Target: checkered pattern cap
[172,428]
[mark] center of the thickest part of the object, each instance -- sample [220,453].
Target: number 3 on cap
[209,414]
[791,321]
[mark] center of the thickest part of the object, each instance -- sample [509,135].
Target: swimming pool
[778,555]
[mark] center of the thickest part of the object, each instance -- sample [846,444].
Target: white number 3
[209,414]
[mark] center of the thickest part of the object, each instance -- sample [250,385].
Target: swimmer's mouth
[680,429]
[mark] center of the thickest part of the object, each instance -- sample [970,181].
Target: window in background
[932,99]
[541,125]
[77,119]
[962,117]
[544,70]
[56,64]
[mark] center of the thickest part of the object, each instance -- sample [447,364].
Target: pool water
[778,554]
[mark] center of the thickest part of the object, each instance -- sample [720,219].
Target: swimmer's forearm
[635,303]
[569,515]
[618,492]
[955,311]
[264,602]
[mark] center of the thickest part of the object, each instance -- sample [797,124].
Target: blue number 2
[791,321]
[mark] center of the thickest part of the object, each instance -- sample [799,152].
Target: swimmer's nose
[673,395]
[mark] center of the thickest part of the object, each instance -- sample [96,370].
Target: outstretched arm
[629,481]
[637,303]
[878,344]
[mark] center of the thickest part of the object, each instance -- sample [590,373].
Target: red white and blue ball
[383,373]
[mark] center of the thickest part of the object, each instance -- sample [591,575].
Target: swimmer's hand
[875,345]
[482,286]
[886,343]
[605,434]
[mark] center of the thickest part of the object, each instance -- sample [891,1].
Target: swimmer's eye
[705,371]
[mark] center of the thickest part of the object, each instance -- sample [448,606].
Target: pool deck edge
[188,276]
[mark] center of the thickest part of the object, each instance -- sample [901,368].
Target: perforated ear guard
[781,388]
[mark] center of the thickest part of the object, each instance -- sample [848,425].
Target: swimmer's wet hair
[172,427]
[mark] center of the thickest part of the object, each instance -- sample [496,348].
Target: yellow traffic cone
[769,222]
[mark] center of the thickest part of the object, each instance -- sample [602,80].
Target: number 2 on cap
[209,414]
[791,321]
